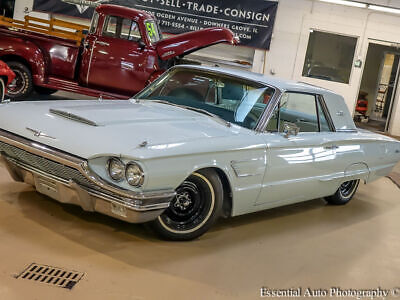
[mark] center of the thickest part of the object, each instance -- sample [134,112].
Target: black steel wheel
[22,85]
[2,89]
[196,206]
[344,193]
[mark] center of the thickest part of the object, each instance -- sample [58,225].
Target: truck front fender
[17,49]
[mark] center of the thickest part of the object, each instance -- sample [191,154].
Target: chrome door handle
[102,43]
[333,147]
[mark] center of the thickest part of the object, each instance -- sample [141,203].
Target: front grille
[46,165]
[51,275]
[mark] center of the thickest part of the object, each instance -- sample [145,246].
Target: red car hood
[185,43]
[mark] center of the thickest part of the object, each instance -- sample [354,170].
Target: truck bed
[61,54]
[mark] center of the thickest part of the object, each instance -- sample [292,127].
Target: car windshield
[234,100]
[153,31]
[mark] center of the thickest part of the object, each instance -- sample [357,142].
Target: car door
[302,166]
[118,62]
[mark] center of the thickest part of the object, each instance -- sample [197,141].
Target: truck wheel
[2,89]
[196,206]
[22,85]
[44,91]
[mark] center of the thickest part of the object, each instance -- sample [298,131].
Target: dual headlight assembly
[131,172]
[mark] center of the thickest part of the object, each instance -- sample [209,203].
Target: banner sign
[251,20]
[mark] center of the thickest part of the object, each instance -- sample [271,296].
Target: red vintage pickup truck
[121,52]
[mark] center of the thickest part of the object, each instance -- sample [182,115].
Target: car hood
[93,128]
[186,43]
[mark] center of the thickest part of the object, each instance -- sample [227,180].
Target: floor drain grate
[51,275]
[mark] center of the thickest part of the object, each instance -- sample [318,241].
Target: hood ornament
[39,133]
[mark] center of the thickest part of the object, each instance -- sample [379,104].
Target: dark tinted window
[235,100]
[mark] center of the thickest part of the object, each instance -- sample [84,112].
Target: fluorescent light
[348,3]
[384,9]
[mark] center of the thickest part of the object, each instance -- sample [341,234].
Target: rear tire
[22,85]
[2,89]
[44,91]
[194,209]
[344,193]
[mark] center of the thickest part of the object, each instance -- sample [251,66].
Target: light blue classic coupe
[196,144]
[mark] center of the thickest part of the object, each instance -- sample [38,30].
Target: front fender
[12,48]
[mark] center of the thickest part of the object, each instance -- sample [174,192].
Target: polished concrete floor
[304,245]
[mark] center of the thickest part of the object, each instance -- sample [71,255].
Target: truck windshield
[153,31]
[234,100]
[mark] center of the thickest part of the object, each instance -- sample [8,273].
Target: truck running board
[73,87]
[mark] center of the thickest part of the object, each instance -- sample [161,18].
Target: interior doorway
[378,86]
[7,8]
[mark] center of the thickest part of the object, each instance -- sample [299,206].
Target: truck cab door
[119,61]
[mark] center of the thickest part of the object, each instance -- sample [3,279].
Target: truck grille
[46,165]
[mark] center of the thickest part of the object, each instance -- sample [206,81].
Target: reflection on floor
[372,125]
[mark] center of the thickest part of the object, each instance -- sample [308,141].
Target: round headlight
[134,174]
[116,169]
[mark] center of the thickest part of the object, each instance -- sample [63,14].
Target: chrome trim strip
[79,164]
[346,130]
[325,109]
[262,124]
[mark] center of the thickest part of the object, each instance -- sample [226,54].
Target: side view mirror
[141,44]
[290,129]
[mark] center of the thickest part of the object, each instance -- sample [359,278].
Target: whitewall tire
[194,209]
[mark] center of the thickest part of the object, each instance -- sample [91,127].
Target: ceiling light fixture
[347,3]
[384,9]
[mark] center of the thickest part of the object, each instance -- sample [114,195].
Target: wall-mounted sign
[251,20]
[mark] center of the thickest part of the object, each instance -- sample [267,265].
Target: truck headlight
[134,174]
[116,169]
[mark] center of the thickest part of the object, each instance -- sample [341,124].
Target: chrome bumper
[125,205]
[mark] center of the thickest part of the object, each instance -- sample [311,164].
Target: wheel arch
[33,60]
[227,190]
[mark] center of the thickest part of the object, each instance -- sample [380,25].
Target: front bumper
[96,196]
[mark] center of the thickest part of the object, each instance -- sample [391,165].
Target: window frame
[318,98]
[356,37]
[118,30]
[94,23]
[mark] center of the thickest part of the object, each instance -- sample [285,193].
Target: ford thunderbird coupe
[196,144]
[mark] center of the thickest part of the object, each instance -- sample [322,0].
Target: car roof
[281,84]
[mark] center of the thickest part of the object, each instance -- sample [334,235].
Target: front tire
[344,193]
[22,85]
[194,209]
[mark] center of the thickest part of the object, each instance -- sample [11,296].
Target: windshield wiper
[199,110]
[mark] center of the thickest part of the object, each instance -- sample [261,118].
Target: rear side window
[303,110]
[298,109]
